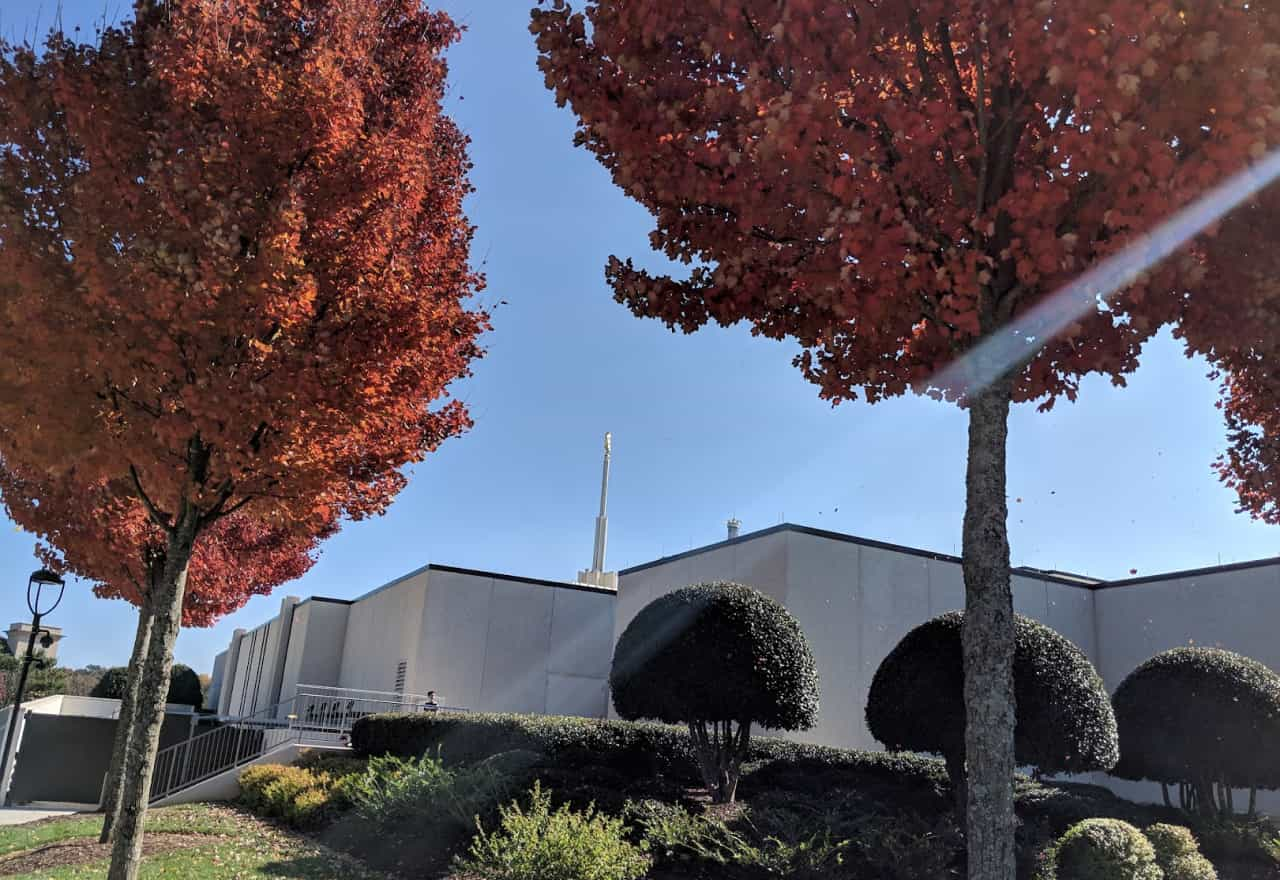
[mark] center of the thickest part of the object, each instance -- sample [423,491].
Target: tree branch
[159,517]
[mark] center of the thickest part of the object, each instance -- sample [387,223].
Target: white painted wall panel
[824,595]
[576,695]
[516,655]
[581,641]
[383,629]
[455,627]
[946,587]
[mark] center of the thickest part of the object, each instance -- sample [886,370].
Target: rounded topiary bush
[719,658]
[1102,849]
[1064,721]
[112,684]
[184,685]
[1178,854]
[1200,716]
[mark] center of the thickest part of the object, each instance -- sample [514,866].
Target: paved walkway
[22,815]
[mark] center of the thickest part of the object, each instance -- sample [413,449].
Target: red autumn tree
[104,535]
[234,273]
[890,183]
[1235,324]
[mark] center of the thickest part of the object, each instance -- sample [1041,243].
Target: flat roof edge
[1078,581]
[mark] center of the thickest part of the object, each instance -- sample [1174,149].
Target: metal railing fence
[317,715]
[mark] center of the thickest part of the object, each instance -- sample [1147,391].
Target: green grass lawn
[238,846]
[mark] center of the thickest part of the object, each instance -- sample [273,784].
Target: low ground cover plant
[392,790]
[532,841]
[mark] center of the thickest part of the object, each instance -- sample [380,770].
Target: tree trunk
[955,772]
[720,756]
[124,725]
[988,641]
[153,688]
[1164,793]
[1253,801]
[1205,800]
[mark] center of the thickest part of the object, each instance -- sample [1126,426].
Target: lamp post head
[39,580]
[46,578]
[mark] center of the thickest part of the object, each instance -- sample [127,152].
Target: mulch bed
[83,850]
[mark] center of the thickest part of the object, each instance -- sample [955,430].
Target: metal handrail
[317,714]
[215,751]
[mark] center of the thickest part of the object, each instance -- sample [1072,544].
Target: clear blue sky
[705,426]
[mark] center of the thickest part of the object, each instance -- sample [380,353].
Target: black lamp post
[35,586]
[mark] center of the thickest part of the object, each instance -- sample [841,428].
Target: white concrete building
[481,640]
[488,641]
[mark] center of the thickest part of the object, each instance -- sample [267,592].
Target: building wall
[259,659]
[383,630]
[315,648]
[493,643]
[213,699]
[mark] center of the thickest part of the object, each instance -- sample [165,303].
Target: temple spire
[596,575]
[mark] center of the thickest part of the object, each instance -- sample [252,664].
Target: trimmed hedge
[595,760]
[1102,849]
[642,747]
[1193,715]
[638,749]
[715,652]
[1064,723]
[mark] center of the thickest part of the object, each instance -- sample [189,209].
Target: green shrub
[800,839]
[184,687]
[673,834]
[541,844]
[1238,839]
[309,808]
[1177,853]
[254,781]
[1193,715]
[632,757]
[302,795]
[718,657]
[904,847]
[336,764]
[1102,849]
[1064,720]
[1063,804]
[392,790]
[635,749]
